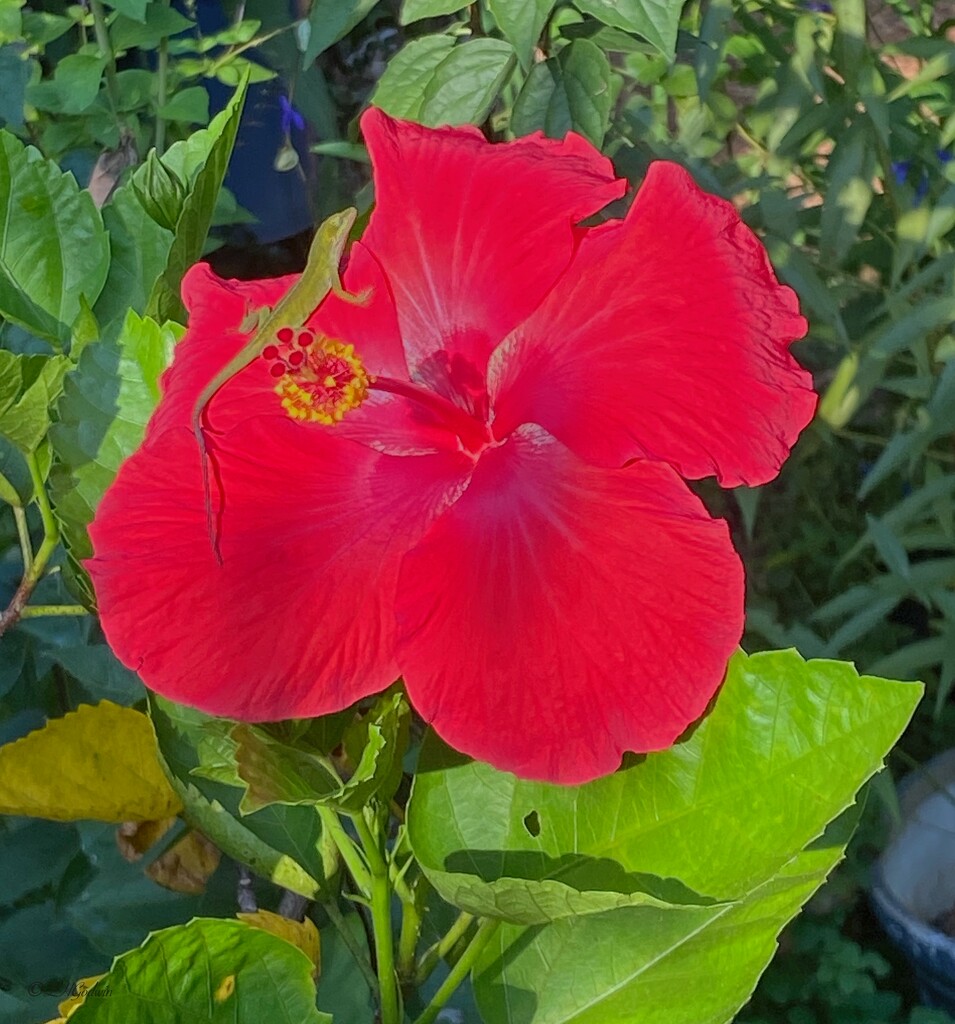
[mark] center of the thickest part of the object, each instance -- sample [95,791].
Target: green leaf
[434,82]
[649,966]
[11,23]
[848,193]
[329,21]
[783,751]
[53,248]
[569,92]
[147,33]
[656,20]
[15,73]
[77,79]
[190,105]
[282,843]
[140,248]
[415,10]
[16,484]
[522,22]
[273,772]
[135,9]
[106,402]
[201,160]
[220,972]
[29,386]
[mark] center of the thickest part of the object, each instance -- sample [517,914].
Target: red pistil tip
[270,352]
[296,358]
[278,370]
[285,335]
[305,339]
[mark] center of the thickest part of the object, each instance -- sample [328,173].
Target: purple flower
[819,6]
[900,170]
[290,116]
[944,155]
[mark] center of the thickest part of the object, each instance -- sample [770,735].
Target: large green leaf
[218,972]
[433,81]
[283,843]
[522,22]
[655,20]
[569,92]
[53,249]
[106,402]
[782,752]
[649,966]
[29,385]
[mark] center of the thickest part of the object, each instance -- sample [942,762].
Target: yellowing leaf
[79,995]
[187,866]
[303,934]
[98,762]
[134,838]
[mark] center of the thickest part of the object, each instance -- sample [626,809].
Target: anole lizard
[319,278]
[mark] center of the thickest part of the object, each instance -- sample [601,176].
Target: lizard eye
[318,379]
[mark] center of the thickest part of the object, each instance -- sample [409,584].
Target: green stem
[39,611]
[162,67]
[408,941]
[51,537]
[381,922]
[486,931]
[236,51]
[23,532]
[431,956]
[346,847]
[106,47]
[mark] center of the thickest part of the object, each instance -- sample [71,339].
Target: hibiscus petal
[668,339]
[298,619]
[559,614]
[471,235]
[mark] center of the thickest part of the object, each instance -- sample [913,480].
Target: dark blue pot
[914,879]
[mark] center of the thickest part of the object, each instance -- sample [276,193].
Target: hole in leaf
[532,823]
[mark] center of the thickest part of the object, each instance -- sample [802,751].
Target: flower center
[321,379]
[318,379]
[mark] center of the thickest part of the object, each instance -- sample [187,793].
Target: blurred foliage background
[830,125]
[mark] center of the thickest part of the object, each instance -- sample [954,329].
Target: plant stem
[106,47]
[381,921]
[431,956]
[487,929]
[408,941]
[162,67]
[23,532]
[38,611]
[346,847]
[51,537]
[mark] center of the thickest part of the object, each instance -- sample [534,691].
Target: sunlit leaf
[219,972]
[720,812]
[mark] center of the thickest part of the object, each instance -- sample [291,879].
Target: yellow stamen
[330,382]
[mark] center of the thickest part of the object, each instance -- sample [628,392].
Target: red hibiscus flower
[498,514]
